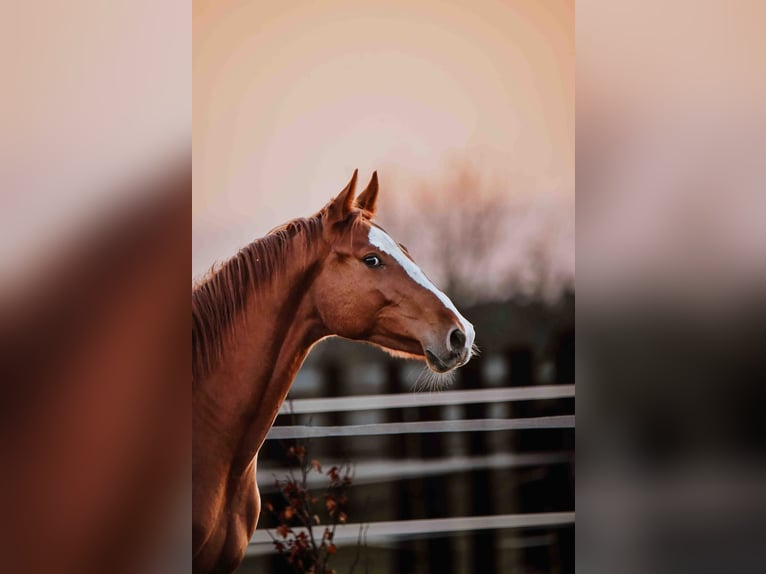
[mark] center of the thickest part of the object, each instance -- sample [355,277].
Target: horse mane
[221,295]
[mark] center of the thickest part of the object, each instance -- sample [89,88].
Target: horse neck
[277,329]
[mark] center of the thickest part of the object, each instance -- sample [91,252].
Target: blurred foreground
[95,210]
[94,416]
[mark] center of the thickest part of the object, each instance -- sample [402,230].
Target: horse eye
[372,261]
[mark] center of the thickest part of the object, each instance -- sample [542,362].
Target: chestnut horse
[254,321]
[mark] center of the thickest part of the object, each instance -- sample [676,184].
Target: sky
[288,99]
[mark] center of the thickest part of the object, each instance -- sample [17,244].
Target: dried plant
[306,522]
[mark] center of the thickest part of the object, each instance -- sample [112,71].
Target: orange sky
[289,98]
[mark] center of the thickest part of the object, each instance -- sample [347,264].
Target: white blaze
[386,244]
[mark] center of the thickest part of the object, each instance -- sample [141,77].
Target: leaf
[331,549]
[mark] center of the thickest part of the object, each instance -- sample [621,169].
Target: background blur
[95,256]
[466,110]
[671,197]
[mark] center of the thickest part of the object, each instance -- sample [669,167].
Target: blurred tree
[480,240]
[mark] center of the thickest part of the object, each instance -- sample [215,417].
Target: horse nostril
[457,340]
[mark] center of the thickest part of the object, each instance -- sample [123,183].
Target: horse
[255,319]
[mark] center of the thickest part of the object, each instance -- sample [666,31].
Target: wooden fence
[451,477]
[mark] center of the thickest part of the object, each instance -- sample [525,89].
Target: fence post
[332,380]
[435,498]
[565,374]
[565,359]
[402,499]
[484,542]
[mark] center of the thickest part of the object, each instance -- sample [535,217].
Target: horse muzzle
[444,360]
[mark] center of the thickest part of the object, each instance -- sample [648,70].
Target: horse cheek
[351,320]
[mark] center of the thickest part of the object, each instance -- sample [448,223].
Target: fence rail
[261,542]
[420,427]
[391,469]
[403,400]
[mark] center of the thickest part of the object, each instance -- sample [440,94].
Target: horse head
[370,289]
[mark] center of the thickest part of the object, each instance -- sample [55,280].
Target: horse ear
[343,203]
[368,199]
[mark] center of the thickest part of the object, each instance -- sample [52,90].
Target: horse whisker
[432,381]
